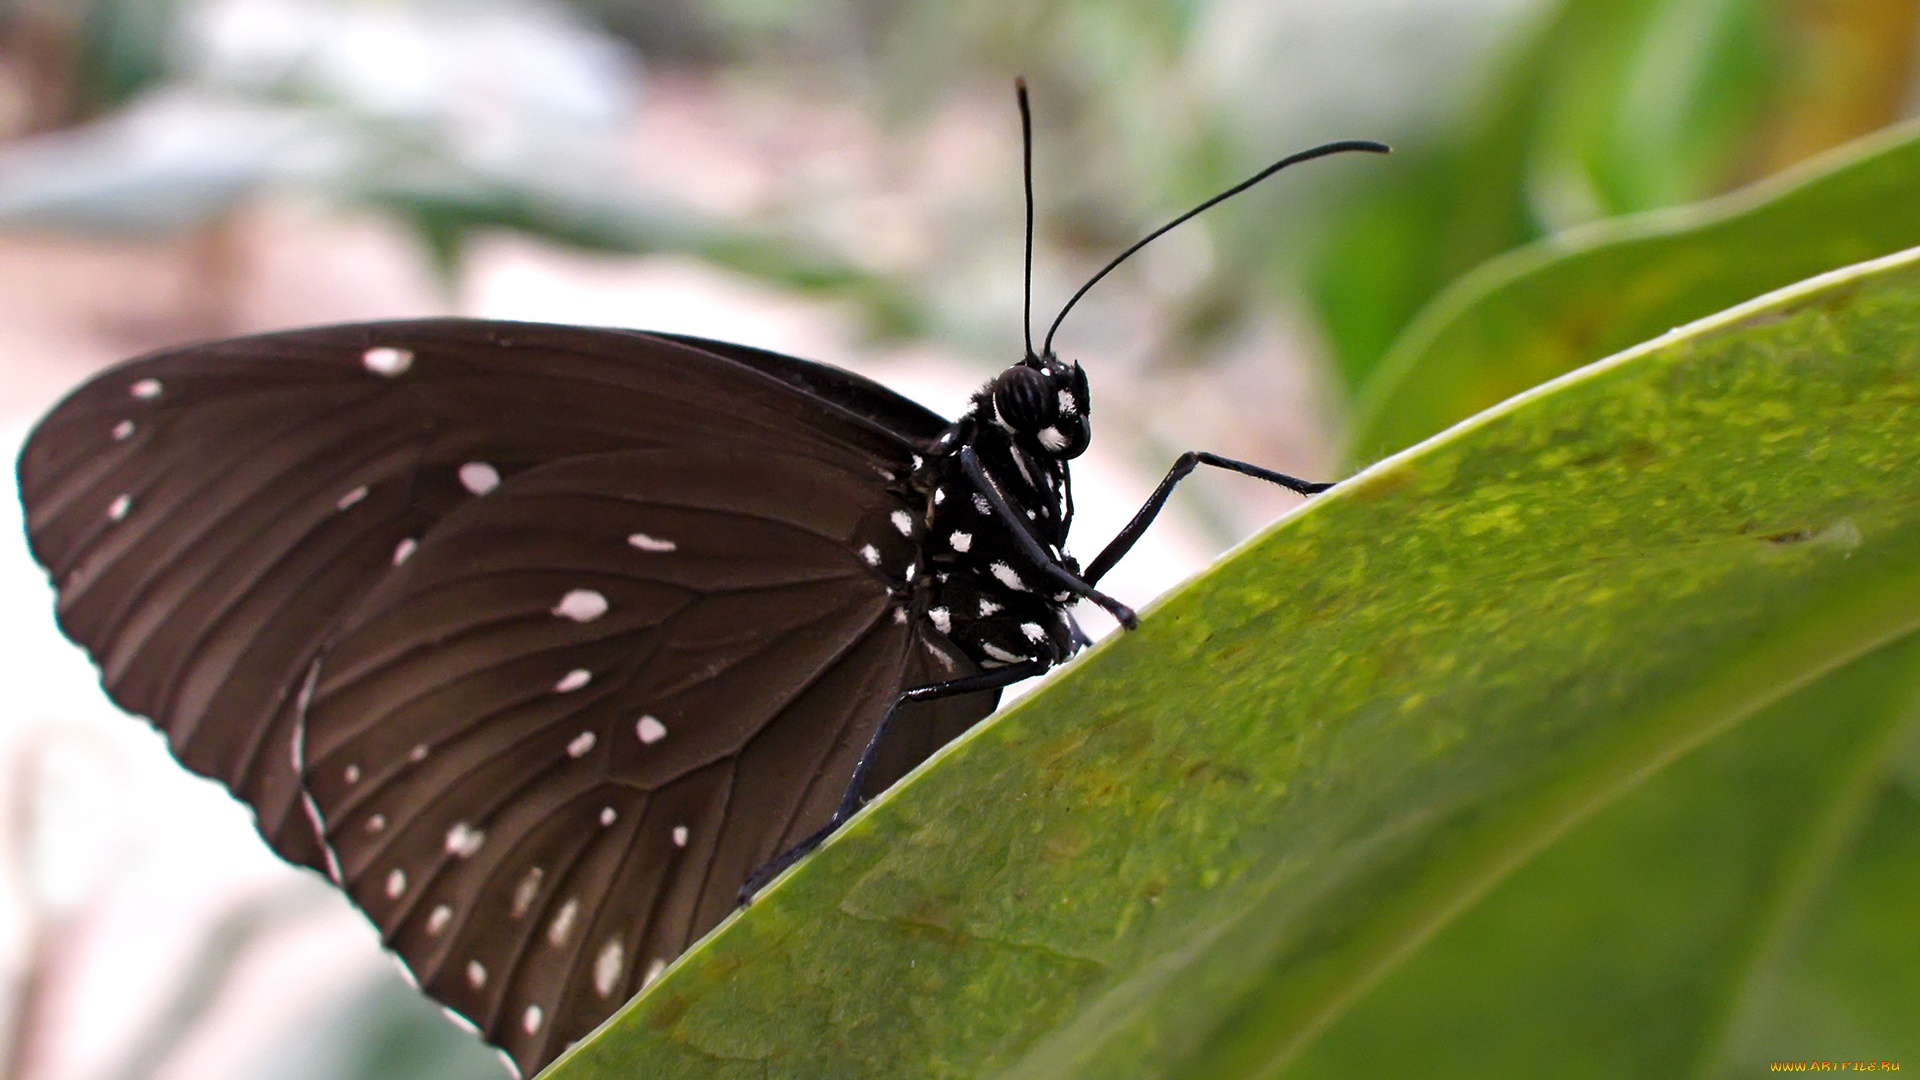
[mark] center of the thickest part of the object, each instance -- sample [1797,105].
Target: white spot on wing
[525,893]
[437,921]
[987,607]
[388,361]
[942,619]
[404,550]
[476,974]
[960,541]
[351,774]
[654,971]
[650,543]
[902,521]
[581,743]
[581,605]
[679,836]
[464,840]
[981,504]
[607,967]
[122,431]
[396,883]
[351,497]
[376,823]
[608,815]
[939,496]
[650,730]
[1033,632]
[871,554]
[418,754]
[530,1020]
[562,926]
[998,653]
[573,680]
[1005,575]
[146,389]
[118,509]
[479,477]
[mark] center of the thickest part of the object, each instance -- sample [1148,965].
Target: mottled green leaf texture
[1548,308]
[1289,825]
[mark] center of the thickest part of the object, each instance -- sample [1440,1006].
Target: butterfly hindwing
[550,747]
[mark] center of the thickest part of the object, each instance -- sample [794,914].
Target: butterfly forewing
[466,546]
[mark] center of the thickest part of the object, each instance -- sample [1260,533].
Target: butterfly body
[990,596]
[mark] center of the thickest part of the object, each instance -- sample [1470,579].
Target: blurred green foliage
[1543,115]
[389,1032]
[122,51]
[1608,107]
[1546,309]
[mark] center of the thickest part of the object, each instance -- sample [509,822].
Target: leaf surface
[1545,309]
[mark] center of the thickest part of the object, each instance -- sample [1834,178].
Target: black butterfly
[539,640]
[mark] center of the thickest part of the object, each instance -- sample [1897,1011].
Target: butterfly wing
[548,755]
[212,515]
[855,393]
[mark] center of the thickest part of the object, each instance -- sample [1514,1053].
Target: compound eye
[1024,399]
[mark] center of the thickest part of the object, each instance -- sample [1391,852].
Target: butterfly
[545,643]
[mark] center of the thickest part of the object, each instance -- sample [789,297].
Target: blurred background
[836,179]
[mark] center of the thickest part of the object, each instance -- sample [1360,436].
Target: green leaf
[1697,926]
[1190,854]
[1844,973]
[1548,308]
[1603,107]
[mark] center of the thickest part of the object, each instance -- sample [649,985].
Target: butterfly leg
[850,801]
[1022,533]
[1118,547]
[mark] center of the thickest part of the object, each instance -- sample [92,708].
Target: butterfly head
[1044,403]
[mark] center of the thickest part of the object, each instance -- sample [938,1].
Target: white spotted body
[988,595]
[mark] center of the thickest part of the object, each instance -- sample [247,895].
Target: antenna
[1341,147]
[1026,171]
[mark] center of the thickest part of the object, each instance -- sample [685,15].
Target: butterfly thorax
[989,595]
